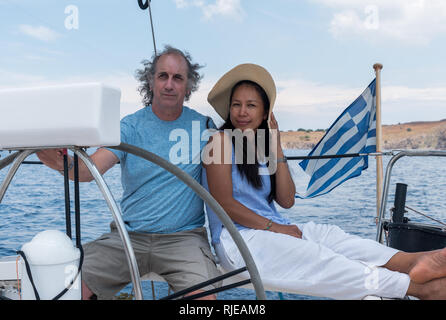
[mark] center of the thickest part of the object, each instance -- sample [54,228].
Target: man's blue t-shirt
[154,200]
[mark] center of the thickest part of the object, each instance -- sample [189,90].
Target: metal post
[382,207]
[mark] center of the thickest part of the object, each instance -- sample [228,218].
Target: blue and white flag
[353,132]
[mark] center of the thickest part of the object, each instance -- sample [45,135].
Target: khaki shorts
[183,259]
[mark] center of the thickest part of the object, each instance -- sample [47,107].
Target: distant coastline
[411,135]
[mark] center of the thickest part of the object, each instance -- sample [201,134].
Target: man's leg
[105,270]
[184,259]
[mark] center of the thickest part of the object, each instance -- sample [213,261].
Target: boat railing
[397,155]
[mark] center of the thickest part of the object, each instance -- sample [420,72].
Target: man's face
[170,82]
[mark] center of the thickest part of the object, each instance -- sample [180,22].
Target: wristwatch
[69,167]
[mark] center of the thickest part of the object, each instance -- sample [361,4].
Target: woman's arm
[219,180]
[285,188]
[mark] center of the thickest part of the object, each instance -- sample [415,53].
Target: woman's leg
[351,246]
[421,266]
[431,290]
[294,265]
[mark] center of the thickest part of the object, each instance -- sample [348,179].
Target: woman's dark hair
[247,170]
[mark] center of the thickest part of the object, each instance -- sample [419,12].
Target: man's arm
[103,159]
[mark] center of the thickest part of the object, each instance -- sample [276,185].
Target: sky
[320,52]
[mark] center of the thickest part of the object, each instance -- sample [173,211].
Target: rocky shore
[413,135]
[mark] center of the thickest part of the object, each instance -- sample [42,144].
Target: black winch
[407,236]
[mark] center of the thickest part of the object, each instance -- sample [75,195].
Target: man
[163,216]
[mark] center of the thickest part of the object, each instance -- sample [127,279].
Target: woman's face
[246,110]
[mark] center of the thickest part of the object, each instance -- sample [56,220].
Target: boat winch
[50,267]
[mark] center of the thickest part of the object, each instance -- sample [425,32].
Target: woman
[312,259]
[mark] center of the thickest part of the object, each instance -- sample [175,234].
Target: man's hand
[52,158]
[103,159]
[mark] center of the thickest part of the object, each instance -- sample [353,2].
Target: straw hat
[219,95]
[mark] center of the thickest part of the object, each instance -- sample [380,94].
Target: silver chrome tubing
[108,196]
[18,158]
[8,160]
[208,199]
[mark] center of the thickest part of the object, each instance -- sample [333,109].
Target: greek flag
[353,132]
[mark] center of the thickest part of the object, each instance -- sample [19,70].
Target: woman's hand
[285,188]
[275,132]
[272,122]
[289,229]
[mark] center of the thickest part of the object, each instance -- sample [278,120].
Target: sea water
[35,202]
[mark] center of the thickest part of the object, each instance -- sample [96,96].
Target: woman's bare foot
[430,266]
[431,290]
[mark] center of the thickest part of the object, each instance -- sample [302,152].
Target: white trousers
[326,262]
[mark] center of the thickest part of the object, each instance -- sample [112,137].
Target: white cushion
[85,115]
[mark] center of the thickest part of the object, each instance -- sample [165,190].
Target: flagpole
[379,163]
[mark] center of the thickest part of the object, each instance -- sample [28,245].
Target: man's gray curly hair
[147,74]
